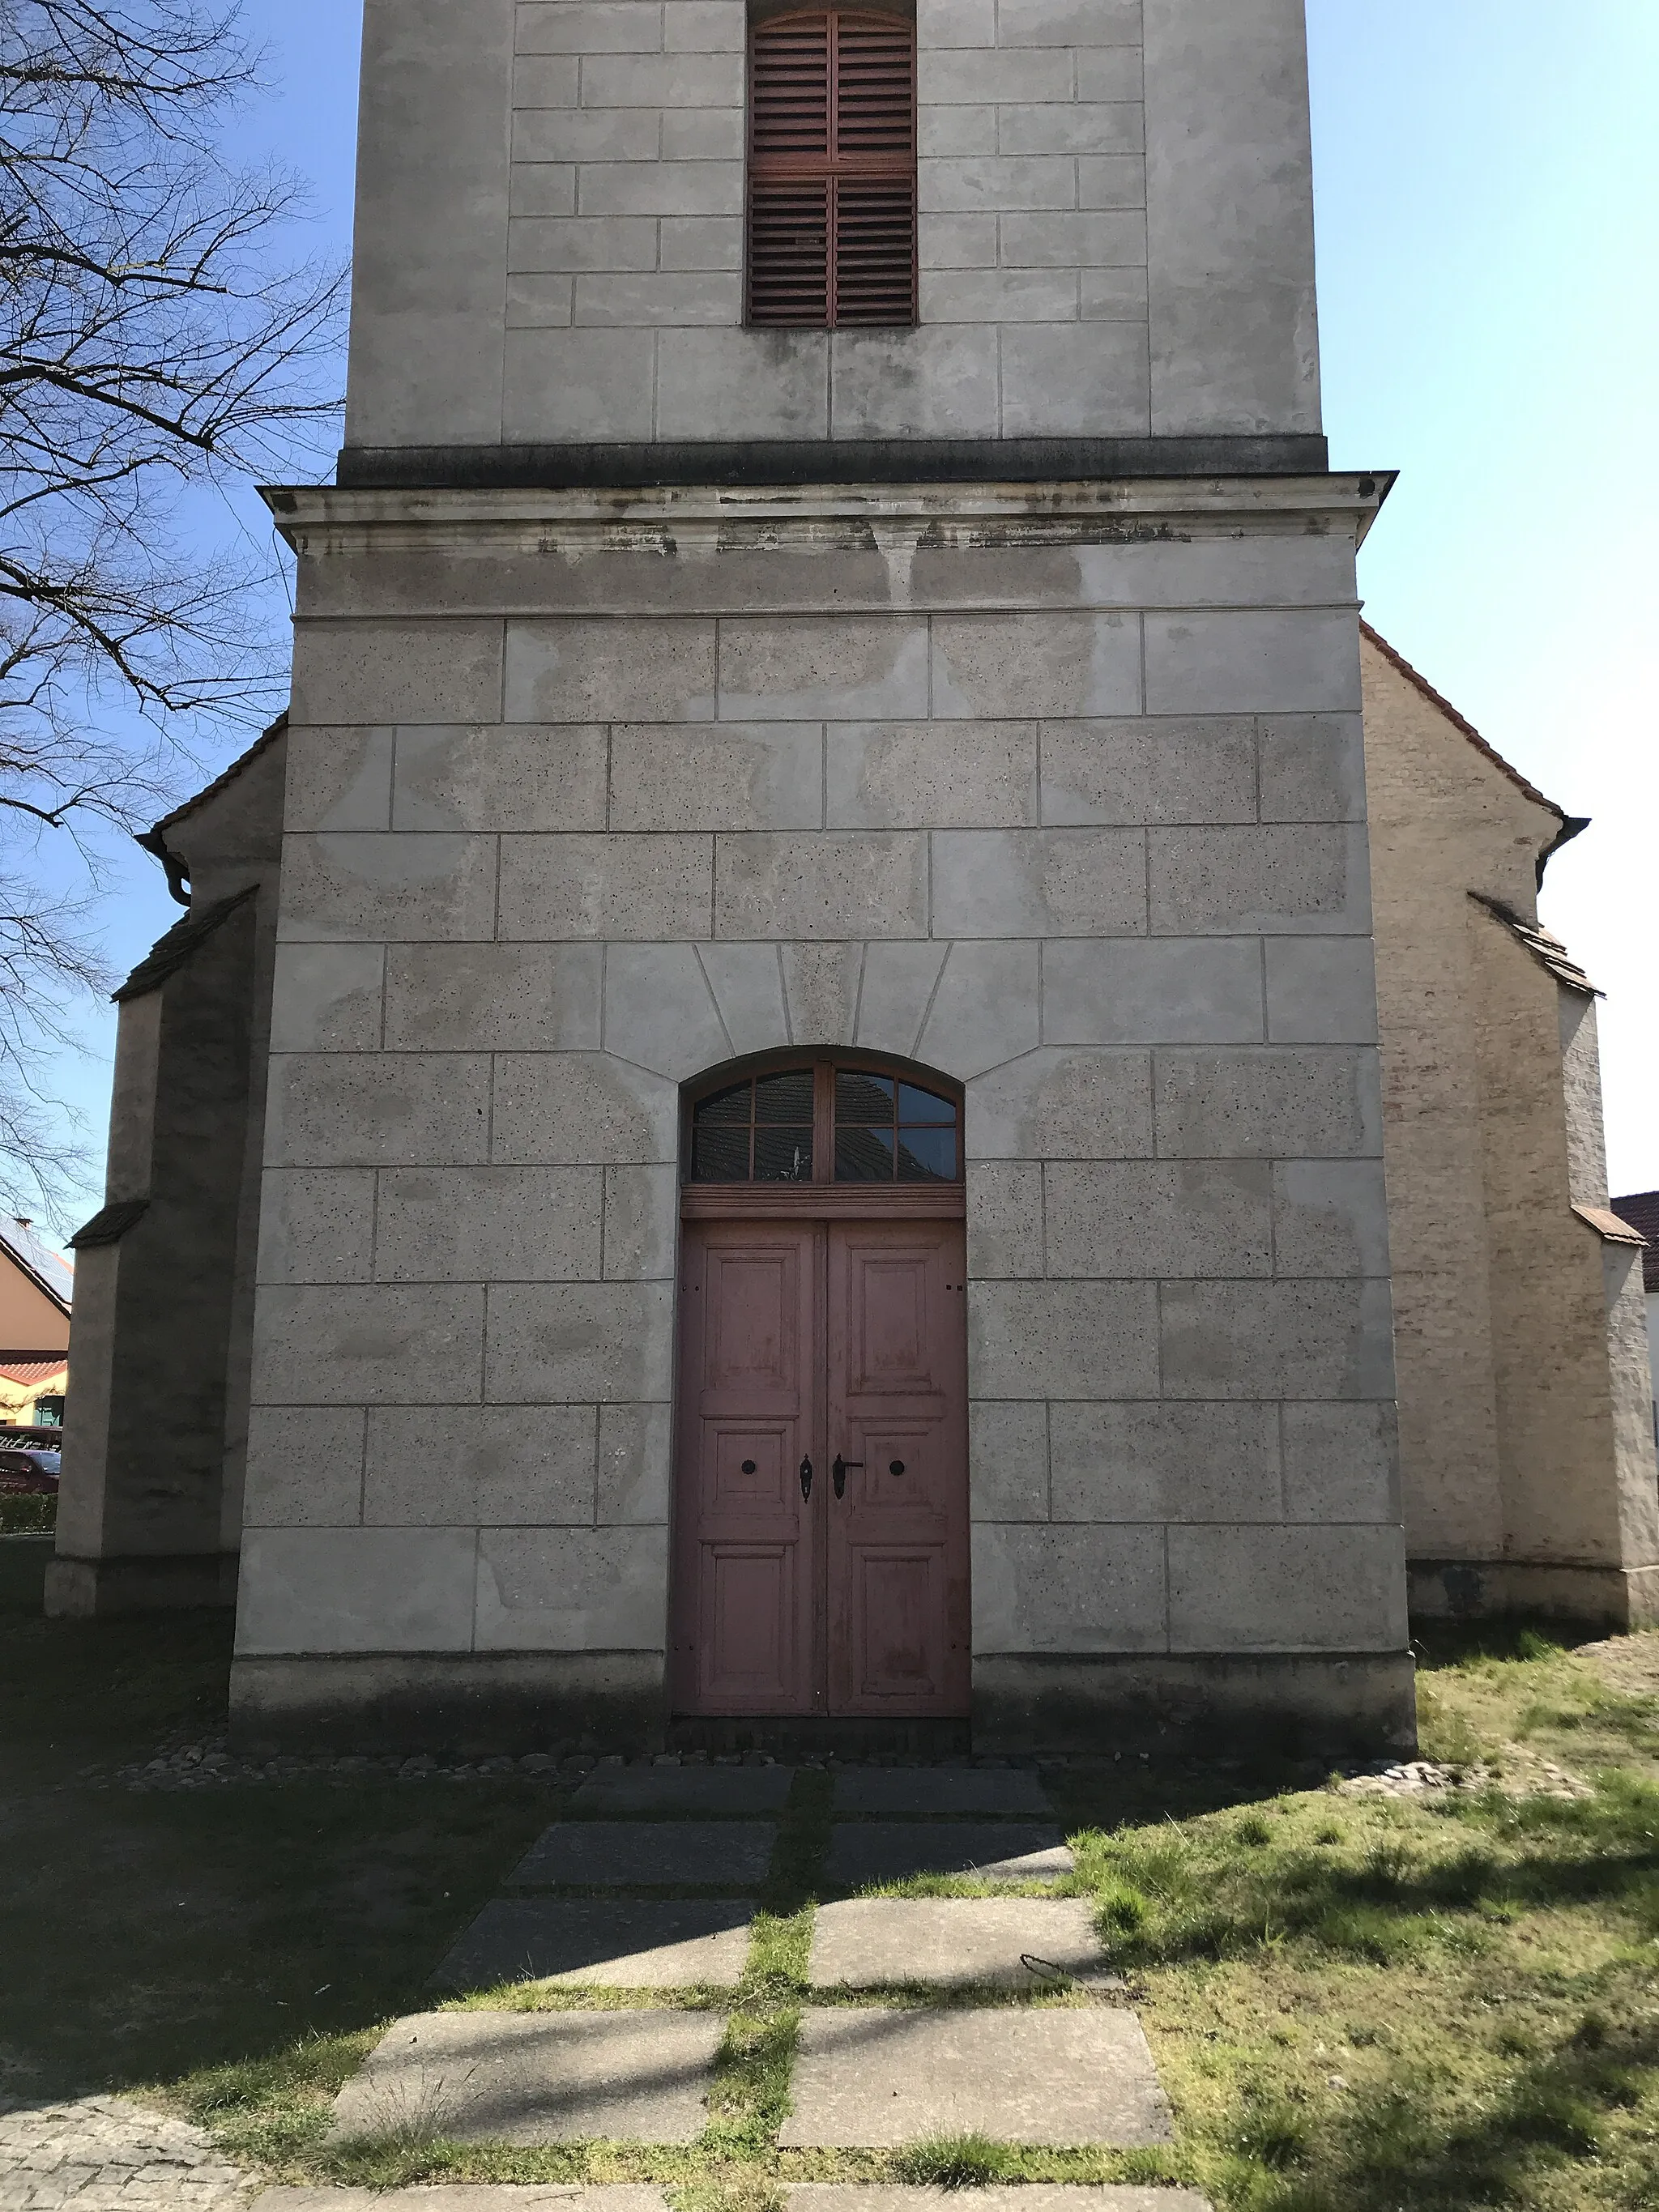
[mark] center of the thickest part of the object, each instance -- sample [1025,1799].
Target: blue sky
[1487,177]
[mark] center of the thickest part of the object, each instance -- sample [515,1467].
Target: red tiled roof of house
[1641,1210]
[34,1371]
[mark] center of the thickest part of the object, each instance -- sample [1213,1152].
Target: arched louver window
[832,171]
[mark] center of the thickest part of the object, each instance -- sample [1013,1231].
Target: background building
[1526,1437]
[37,1292]
[1641,1211]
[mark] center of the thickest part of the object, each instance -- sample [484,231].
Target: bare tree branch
[155,345]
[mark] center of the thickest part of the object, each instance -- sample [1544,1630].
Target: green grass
[1356,2004]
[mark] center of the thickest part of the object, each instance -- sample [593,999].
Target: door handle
[806,1477]
[838,1472]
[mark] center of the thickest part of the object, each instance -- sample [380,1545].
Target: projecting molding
[1547,951]
[1609,1227]
[110,1225]
[169,953]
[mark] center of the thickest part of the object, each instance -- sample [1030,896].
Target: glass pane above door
[885,1130]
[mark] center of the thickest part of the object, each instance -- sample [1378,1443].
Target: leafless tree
[155,344]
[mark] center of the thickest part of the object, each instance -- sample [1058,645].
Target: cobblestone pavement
[94,2154]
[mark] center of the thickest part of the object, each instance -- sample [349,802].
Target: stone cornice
[322,520]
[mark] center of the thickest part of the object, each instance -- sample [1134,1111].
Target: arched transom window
[827,1123]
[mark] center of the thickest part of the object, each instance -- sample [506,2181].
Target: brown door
[751,1407]
[822,1342]
[898,1420]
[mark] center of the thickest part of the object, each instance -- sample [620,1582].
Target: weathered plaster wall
[149,1513]
[1443,822]
[588,795]
[1550,1341]
[1527,1477]
[549,229]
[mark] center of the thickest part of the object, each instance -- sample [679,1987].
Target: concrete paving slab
[876,2078]
[647,1855]
[886,1790]
[955,1941]
[889,1850]
[1027,2197]
[475,2196]
[649,1944]
[719,1792]
[529,2077]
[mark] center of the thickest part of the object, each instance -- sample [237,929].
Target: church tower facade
[824,1153]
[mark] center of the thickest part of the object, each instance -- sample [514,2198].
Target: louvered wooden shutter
[832,171]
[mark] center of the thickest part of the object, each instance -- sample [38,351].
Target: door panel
[809,1340]
[897,1540]
[748,1566]
[752,1662]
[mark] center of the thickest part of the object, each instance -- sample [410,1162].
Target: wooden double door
[822,1482]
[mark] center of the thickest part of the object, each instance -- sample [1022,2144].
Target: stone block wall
[1065,802]
[550,248]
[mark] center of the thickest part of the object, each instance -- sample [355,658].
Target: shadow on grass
[248,1941]
[1172,1896]
[1394,2147]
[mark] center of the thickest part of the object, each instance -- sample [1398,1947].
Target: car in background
[30,1463]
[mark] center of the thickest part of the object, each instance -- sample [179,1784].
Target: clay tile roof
[34,1371]
[1641,1210]
[1458,721]
[261,744]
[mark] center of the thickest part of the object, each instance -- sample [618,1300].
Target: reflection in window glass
[915,1105]
[783,1155]
[927,1155]
[784,1098]
[720,1155]
[887,1131]
[864,1155]
[761,1130]
[859,1097]
[758,1130]
[731,1105]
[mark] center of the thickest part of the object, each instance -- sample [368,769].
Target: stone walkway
[677,1855]
[877,2065]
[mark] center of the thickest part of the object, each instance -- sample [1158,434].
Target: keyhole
[748,1466]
